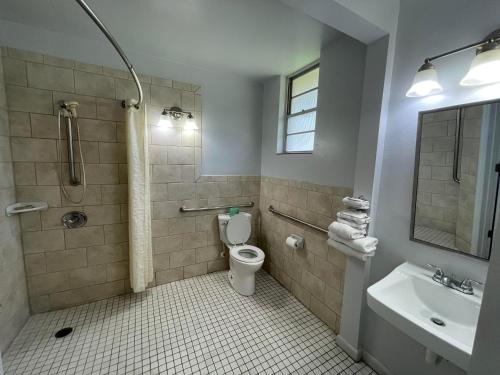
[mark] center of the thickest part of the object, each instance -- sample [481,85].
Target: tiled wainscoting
[71,267]
[315,274]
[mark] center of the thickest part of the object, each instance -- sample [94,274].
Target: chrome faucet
[450,281]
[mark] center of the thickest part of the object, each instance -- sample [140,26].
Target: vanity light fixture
[484,69]
[176,113]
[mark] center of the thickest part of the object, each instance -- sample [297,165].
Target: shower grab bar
[118,49]
[457,149]
[185,209]
[276,212]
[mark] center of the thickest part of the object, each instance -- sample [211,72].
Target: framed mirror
[457,169]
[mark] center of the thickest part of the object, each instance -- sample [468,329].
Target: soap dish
[19,208]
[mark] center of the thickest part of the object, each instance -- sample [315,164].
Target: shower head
[69,108]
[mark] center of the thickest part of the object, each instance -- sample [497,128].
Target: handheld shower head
[69,108]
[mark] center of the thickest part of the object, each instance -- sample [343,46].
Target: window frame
[288,105]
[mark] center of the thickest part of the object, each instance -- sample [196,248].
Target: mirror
[456,180]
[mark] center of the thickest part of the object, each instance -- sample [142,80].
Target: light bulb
[165,120]
[190,123]
[425,82]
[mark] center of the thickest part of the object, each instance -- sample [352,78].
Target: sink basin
[408,298]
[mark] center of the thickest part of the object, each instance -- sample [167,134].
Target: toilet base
[244,285]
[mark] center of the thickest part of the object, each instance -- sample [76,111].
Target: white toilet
[244,260]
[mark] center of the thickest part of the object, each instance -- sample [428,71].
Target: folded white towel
[358,203]
[345,231]
[352,223]
[364,245]
[357,216]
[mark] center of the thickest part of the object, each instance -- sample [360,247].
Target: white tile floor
[193,326]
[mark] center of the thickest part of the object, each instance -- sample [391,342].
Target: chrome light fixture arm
[118,49]
[491,41]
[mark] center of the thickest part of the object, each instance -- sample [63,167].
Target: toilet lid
[239,228]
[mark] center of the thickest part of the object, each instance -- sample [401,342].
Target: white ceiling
[255,38]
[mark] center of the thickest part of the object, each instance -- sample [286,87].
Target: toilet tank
[246,229]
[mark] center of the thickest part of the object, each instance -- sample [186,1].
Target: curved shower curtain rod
[118,49]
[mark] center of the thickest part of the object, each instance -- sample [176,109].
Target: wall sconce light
[176,113]
[484,69]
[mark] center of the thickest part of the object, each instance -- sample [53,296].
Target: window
[302,102]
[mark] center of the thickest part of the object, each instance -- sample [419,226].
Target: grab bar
[456,150]
[118,49]
[271,209]
[185,209]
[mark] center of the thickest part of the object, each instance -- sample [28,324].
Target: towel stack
[351,226]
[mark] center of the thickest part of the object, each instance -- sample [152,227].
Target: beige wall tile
[86,294]
[180,155]
[165,96]
[217,265]
[195,270]
[103,214]
[117,271]
[39,304]
[167,276]
[47,173]
[107,254]
[323,312]
[165,210]
[208,253]
[161,262]
[45,126]
[30,222]
[35,264]
[92,196]
[313,284]
[182,85]
[194,240]
[166,173]
[97,130]
[50,77]
[66,260]
[14,71]
[38,242]
[47,283]
[94,85]
[19,124]
[182,258]
[30,149]
[167,244]
[116,233]
[181,225]
[87,276]
[181,191]
[110,109]
[49,194]
[25,99]
[25,55]
[58,61]
[112,152]
[85,236]
[114,194]
[24,173]
[105,174]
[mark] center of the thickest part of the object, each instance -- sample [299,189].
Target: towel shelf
[271,209]
[350,252]
[185,209]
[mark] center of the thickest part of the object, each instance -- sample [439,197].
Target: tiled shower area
[189,320]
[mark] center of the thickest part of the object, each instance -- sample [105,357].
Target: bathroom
[195,236]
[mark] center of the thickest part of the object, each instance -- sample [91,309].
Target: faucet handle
[467,283]
[439,270]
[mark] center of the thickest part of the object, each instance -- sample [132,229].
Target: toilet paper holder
[299,241]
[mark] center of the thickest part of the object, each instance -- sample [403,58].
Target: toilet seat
[247,254]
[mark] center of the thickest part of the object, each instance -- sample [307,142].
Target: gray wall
[339,101]
[14,308]
[231,103]
[421,33]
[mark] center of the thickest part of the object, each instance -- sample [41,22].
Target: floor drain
[63,332]
[438,321]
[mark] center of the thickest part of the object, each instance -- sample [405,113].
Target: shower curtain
[141,253]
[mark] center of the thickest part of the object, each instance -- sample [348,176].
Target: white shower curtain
[139,206]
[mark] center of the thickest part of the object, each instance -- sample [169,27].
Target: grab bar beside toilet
[185,209]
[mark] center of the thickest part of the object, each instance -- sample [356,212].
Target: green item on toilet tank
[233,211]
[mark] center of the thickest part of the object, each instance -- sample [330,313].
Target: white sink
[408,298]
